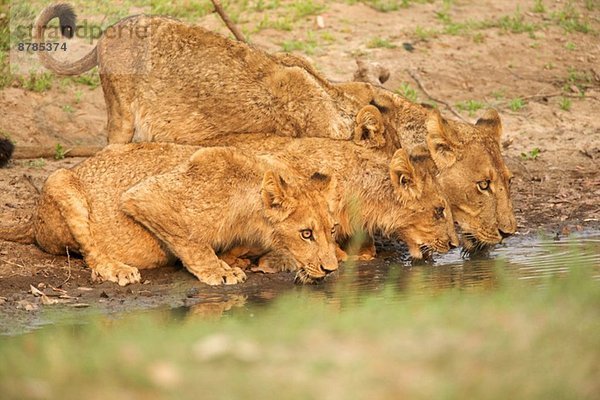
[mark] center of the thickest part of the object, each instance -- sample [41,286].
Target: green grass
[59,152]
[516,23]
[304,8]
[565,104]
[378,42]
[307,46]
[281,23]
[538,7]
[407,91]
[390,5]
[425,33]
[570,19]
[517,341]
[37,82]
[578,78]
[37,164]
[498,94]
[532,154]
[516,104]
[471,106]
[90,78]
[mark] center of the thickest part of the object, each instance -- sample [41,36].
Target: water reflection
[393,276]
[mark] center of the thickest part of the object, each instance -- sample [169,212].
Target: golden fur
[464,155]
[161,83]
[394,196]
[185,84]
[139,206]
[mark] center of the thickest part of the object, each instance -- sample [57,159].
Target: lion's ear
[273,190]
[403,174]
[490,121]
[328,185]
[369,129]
[441,147]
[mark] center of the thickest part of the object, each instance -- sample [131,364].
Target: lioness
[139,206]
[395,196]
[161,83]
[185,84]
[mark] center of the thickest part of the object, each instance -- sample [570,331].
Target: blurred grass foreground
[520,341]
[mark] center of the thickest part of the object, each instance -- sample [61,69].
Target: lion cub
[395,196]
[140,206]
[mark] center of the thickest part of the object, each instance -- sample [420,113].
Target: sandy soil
[555,191]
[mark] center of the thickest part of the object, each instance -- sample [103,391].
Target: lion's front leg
[64,191]
[206,266]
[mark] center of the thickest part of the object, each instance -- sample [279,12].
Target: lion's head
[424,221]
[467,161]
[304,226]
[474,177]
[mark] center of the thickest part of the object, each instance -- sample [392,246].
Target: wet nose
[327,269]
[504,234]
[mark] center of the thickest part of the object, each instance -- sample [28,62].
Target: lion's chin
[304,278]
[473,247]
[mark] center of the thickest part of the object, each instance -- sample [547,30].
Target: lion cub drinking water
[394,196]
[139,206]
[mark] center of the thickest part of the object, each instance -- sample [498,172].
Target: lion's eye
[307,234]
[483,185]
[439,212]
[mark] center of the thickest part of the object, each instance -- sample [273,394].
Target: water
[523,258]
[530,259]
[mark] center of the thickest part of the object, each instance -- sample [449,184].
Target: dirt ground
[551,140]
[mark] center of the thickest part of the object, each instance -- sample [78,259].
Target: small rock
[408,46]
[320,22]
[146,282]
[27,306]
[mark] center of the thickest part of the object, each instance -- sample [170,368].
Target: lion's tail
[20,233]
[6,151]
[67,19]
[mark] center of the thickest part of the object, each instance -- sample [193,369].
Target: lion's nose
[327,269]
[504,234]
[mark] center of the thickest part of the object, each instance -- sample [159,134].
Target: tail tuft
[67,19]
[6,151]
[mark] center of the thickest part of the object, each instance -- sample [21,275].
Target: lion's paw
[117,272]
[274,262]
[221,274]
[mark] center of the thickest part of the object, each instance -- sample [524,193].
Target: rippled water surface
[522,258]
[529,259]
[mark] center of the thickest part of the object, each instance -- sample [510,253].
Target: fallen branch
[29,152]
[420,84]
[29,180]
[232,27]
